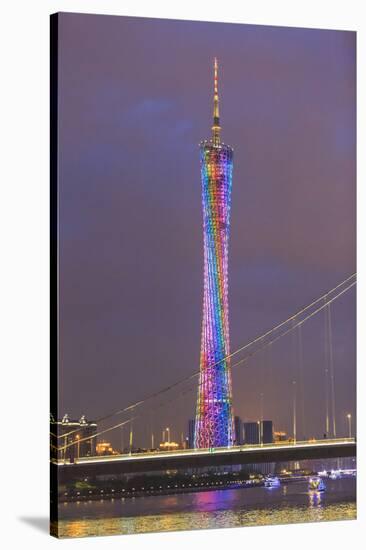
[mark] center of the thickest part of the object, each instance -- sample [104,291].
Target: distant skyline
[135,99]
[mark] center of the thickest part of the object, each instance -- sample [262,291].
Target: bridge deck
[184,459]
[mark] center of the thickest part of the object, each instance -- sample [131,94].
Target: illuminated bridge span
[185,459]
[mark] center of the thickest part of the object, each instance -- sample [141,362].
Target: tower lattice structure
[214,426]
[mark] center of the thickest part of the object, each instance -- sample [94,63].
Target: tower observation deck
[214,414]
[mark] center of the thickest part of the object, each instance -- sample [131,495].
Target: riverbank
[175,489]
[206,509]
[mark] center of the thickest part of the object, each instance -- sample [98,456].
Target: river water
[289,503]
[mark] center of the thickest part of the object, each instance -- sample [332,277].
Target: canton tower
[214,414]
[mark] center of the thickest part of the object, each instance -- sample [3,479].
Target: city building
[280,436]
[105,448]
[267,431]
[251,433]
[258,432]
[214,416]
[168,446]
[71,439]
[238,430]
[191,424]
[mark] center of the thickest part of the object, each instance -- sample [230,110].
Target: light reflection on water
[212,509]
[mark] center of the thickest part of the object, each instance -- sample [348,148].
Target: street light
[294,410]
[349,418]
[168,430]
[131,438]
[261,419]
[259,432]
[261,405]
[78,440]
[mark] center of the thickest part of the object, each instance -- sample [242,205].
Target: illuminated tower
[214,415]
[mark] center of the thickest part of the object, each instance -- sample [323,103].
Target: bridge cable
[301,380]
[294,380]
[326,372]
[331,368]
[240,362]
[258,339]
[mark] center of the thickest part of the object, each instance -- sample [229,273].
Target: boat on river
[316,484]
[272,481]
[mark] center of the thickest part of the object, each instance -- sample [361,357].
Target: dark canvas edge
[54,22]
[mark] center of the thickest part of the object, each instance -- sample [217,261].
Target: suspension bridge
[201,458]
[333,441]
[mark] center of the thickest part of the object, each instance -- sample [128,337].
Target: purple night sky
[135,99]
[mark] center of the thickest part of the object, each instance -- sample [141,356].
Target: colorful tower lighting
[214,426]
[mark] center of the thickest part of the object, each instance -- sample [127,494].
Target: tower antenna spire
[216,128]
